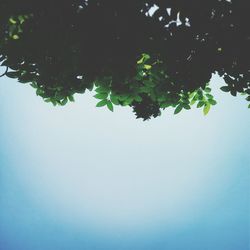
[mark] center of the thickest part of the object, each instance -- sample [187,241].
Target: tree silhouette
[149,55]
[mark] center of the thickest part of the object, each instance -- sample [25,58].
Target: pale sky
[81,177]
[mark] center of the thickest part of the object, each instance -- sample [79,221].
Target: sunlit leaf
[101,90]
[206,108]
[12,21]
[212,101]
[102,103]
[15,37]
[101,96]
[110,106]
[147,67]
[178,109]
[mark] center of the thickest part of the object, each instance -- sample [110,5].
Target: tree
[146,54]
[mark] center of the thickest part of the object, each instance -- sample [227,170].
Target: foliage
[149,55]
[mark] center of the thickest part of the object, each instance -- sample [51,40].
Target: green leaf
[12,74]
[186,106]
[209,96]
[90,86]
[225,88]
[54,102]
[200,104]
[128,101]
[196,97]
[144,58]
[145,89]
[212,101]
[149,83]
[47,100]
[233,92]
[114,100]
[191,95]
[33,84]
[81,90]
[185,101]
[193,101]
[12,21]
[161,98]
[71,98]
[101,96]
[178,109]
[110,106]
[138,98]
[64,101]
[207,89]
[200,95]
[147,66]
[39,92]
[165,105]
[249,106]
[21,19]
[122,97]
[15,37]
[102,103]
[140,61]
[101,90]
[141,74]
[206,108]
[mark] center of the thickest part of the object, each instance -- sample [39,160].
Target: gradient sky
[80,177]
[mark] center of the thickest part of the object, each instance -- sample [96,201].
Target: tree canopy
[147,54]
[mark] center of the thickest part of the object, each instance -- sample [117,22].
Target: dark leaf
[200,104]
[12,74]
[225,88]
[178,109]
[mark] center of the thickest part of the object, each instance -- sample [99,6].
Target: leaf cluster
[149,55]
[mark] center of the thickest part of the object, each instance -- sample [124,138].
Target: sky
[83,178]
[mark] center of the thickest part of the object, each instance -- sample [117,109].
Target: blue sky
[81,177]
